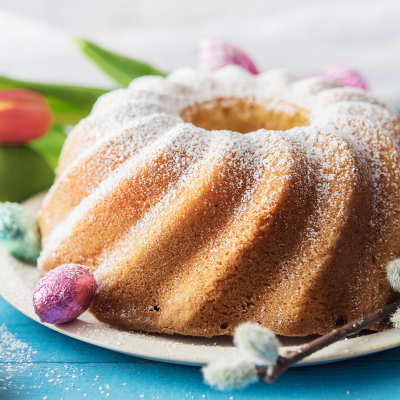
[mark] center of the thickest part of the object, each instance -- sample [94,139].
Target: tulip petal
[24,116]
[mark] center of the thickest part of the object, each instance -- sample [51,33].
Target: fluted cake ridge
[203,201]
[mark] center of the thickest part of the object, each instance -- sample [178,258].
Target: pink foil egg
[214,53]
[64,293]
[344,75]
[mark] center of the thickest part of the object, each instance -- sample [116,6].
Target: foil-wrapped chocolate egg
[19,231]
[64,293]
[214,53]
[344,75]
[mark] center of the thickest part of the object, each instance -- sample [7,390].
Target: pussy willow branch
[291,357]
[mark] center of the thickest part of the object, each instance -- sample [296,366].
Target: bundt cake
[203,201]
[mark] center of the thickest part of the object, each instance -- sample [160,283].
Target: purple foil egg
[64,293]
[214,53]
[344,75]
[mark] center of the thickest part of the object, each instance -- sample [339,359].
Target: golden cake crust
[192,230]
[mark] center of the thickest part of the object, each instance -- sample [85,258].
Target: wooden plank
[61,365]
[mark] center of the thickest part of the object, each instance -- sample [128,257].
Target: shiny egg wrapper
[64,293]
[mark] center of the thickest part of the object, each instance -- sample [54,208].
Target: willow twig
[291,357]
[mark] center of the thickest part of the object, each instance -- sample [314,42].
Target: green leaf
[122,69]
[78,96]
[65,113]
[50,145]
[23,173]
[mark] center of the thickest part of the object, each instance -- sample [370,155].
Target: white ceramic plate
[18,281]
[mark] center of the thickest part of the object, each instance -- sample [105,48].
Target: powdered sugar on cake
[139,156]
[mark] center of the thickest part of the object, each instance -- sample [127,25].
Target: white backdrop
[301,36]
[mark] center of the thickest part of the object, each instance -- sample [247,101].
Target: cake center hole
[242,116]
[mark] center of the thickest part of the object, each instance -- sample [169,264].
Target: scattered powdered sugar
[15,356]
[111,335]
[53,379]
[12,349]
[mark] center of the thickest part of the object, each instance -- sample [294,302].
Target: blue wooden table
[38,363]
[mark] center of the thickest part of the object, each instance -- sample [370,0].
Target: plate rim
[186,353]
